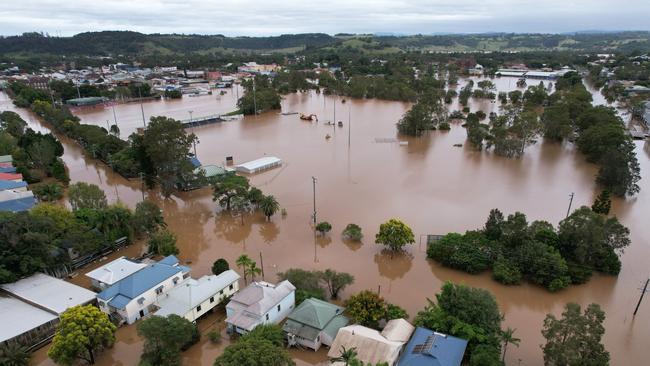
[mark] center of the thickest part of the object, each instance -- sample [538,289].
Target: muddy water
[433,186]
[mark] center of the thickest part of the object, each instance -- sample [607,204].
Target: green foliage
[48,192]
[263,346]
[147,217]
[165,338]
[258,93]
[602,204]
[352,232]
[83,330]
[219,266]
[307,283]
[86,195]
[162,243]
[229,186]
[485,355]
[576,338]
[167,148]
[506,272]
[335,281]
[214,336]
[469,252]
[248,266]
[173,94]
[426,114]
[14,355]
[323,227]
[367,308]
[269,206]
[465,312]
[394,234]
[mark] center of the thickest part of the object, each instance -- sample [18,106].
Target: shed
[49,293]
[211,170]
[23,323]
[259,165]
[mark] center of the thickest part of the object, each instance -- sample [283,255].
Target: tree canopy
[165,338]
[394,234]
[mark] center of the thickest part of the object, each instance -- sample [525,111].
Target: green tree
[346,355]
[602,204]
[323,227]
[366,308]
[219,266]
[163,242]
[229,186]
[248,266]
[493,227]
[307,283]
[556,122]
[83,330]
[352,232]
[165,338]
[48,192]
[86,195]
[469,252]
[507,337]
[148,217]
[576,338]
[167,148]
[394,234]
[263,346]
[269,206]
[14,355]
[335,281]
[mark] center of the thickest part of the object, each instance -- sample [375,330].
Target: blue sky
[255,18]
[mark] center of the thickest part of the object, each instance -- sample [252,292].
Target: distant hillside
[111,43]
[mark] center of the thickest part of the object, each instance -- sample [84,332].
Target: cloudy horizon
[263,18]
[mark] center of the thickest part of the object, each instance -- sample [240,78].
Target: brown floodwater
[430,184]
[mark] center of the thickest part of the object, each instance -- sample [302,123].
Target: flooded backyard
[430,184]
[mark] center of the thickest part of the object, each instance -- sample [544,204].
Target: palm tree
[14,355]
[346,356]
[269,206]
[244,262]
[254,270]
[507,337]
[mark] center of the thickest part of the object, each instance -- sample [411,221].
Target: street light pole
[144,122]
[314,191]
[254,97]
[193,141]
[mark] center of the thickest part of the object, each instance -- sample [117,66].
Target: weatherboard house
[135,296]
[260,303]
[194,298]
[314,323]
[113,272]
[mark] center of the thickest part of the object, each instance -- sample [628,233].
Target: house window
[230,287]
[212,299]
[159,290]
[279,307]
[198,308]
[176,280]
[267,316]
[221,292]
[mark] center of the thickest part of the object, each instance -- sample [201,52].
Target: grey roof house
[314,323]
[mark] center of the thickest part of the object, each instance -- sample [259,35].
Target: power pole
[262,264]
[349,125]
[115,118]
[254,97]
[194,140]
[643,291]
[144,122]
[568,211]
[334,124]
[313,179]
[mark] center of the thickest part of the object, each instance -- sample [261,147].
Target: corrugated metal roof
[18,205]
[429,348]
[372,347]
[115,270]
[11,176]
[10,184]
[50,293]
[6,159]
[315,313]
[9,169]
[183,298]
[18,317]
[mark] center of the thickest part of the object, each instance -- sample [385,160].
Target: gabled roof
[18,205]
[398,330]
[139,282]
[115,271]
[429,348]
[49,293]
[192,293]
[315,313]
[260,297]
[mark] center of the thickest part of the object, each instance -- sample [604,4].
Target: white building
[259,165]
[135,296]
[110,273]
[260,303]
[30,308]
[372,346]
[194,298]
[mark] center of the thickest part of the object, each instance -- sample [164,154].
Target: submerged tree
[602,204]
[228,187]
[336,281]
[269,206]
[165,337]
[394,234]
[576,338]
[86,195]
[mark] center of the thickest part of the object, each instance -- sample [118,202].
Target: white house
[193,298]
[258,165]
[260,303]
[135,296]
[110,273]
[372,346]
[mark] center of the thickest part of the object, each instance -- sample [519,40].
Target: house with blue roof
[13,185]
[135,296]
[429,348]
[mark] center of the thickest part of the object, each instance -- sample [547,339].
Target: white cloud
[263,17]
